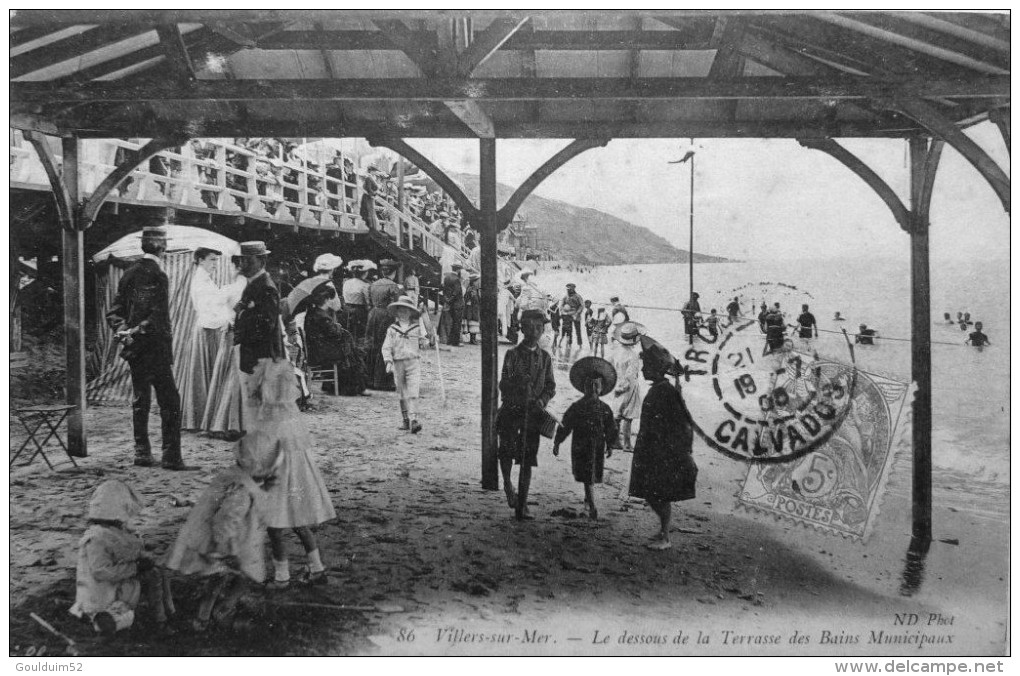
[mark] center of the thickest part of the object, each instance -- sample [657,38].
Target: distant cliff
[589,236]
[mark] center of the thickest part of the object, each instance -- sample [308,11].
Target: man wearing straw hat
[257,329]
[140,316]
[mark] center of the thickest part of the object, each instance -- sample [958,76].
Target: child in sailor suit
[401,350]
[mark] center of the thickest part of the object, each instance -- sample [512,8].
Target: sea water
[970,387]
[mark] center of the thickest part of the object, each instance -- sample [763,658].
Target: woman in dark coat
[329,343]
[663,470]
[381,293]
[591,422]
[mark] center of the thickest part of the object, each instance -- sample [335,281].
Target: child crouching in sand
[401,350]
[112,572]
[592,424]
[222,539]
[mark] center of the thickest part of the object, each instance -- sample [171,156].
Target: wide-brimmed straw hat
[628,333]
[403,301]
[327,262]
[389,263]
[588,367]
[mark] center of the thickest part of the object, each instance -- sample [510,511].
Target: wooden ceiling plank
[70,48]
[910,43]
[956,30]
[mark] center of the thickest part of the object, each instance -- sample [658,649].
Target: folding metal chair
[33,419]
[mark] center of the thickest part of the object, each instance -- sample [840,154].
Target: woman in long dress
[382,292]
[663,470]
[211,319]
[222,415]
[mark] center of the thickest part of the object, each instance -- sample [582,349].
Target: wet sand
[425,549]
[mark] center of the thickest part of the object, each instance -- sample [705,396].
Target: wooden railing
[217,175]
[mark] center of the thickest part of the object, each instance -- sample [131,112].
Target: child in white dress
[297,497]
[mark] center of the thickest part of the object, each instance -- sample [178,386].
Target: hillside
[588,236]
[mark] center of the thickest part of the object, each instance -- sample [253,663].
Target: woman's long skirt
[194,387]
[223,405]
[375,333]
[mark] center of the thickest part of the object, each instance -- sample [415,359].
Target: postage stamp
[838,487]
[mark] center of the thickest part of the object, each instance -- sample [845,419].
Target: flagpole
[690,253]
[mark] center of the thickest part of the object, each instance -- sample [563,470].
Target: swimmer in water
[977,338]
[838,317]
[947,318]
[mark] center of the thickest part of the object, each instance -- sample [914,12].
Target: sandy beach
[433,564]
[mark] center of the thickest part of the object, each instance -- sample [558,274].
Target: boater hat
[254,248]
[154,231]
[628,333]
[403,301]
[586,367]
[388,264]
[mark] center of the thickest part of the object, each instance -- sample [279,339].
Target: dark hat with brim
[589,367]
[254,248]
[388,263]
[534,315]
[154,231]
[628,333]
[654,353]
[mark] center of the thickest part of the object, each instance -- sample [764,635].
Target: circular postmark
[764,401]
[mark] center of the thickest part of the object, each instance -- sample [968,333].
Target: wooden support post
[490,295]
[923,164]
[73,262]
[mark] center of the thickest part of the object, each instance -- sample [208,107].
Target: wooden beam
[176,52]
[989,30]
[419,46]
[929,117]
[140,124]
[1000,116]
[73,264]
[471,114]
[575,148]
[119,173]
[874,181]
[910,43]
[898,23]
[515,89]
[520,41]
[402,148]
[728,62]
[922,202]
[70,47]
[239,34]
[487,43]
[486,221]
[65,203]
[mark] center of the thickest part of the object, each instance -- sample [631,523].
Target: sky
[756,199]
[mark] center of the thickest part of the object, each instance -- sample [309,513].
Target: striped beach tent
[113,382]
